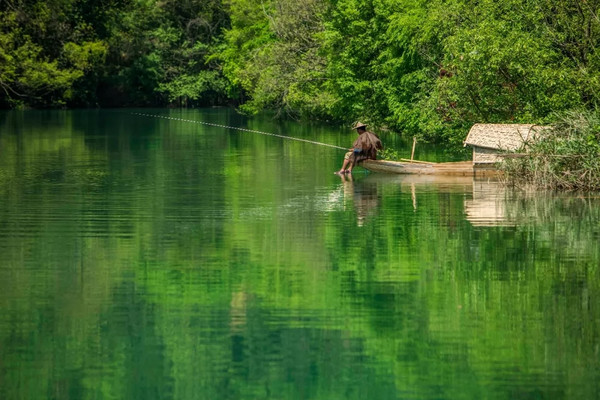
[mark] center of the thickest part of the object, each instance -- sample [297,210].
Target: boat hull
[460,168]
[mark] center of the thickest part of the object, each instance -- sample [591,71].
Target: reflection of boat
[444,183]
[460,168]
[487,201]
[489,205]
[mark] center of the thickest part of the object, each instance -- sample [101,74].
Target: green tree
[118,52]
[272,56]
[381,60]
[40,56]
[187,34]
[513,61]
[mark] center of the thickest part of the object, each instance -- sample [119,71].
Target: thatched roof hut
[491,141]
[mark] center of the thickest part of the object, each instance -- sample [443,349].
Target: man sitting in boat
[364,148]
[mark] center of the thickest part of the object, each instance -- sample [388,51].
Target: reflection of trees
[508,286]
[118,268]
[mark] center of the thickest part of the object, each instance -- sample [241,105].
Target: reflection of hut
[491,141]
[489,205]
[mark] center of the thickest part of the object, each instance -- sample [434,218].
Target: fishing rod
[242,129]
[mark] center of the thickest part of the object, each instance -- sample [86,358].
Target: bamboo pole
[412,154]
[417,161]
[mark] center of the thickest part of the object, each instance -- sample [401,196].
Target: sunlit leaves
[425,68]
[273,56]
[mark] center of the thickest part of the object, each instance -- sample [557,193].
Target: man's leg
[347,161]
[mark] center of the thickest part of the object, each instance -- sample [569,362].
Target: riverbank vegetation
[427,68]
[565,157]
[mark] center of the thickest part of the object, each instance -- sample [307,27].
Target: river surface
[148,258]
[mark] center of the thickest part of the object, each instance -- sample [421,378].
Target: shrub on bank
[565,157]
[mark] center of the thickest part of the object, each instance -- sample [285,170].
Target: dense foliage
[430,68]
[110,53]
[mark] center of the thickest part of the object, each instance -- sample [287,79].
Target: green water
[144,258]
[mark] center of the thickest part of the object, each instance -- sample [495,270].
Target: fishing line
[242,129]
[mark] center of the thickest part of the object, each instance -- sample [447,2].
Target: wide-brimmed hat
[359,125]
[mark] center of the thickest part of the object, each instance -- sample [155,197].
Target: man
[364,147]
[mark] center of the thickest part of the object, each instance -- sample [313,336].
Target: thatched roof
[508,137]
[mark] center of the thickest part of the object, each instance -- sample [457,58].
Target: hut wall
[481,155]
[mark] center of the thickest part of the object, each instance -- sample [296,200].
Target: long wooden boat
[460,168]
